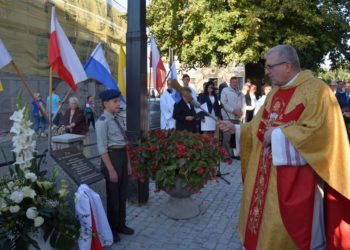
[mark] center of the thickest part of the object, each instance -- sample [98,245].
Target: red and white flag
[62,57]
[158,69]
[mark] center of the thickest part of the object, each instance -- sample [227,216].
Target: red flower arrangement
[167,155]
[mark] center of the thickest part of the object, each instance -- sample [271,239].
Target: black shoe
[125,230]
[116,237]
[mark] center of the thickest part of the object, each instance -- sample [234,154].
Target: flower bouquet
[171,156]
[31,204]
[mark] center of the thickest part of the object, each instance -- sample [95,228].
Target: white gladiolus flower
[14,209]
[17,150]
[31,176]
[16,128]
[17,115]
[28,132]
[19,141]
[32,213]
[28,123]
[38,221]
[5,191]
[24,146]
[28,192]
[27,156]
[17,196]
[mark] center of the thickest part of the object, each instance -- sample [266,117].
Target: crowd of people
[341,89]
[226,101]
[75,119]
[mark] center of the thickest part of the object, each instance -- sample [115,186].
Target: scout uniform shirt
[110,135]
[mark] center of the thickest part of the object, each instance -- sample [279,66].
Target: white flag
[5,57]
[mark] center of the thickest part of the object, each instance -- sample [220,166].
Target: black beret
[109,94]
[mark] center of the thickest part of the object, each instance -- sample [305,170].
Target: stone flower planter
[180,206]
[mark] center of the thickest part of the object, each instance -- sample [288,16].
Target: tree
[218,32]
[337,74]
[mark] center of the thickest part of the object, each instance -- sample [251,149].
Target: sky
[123,3]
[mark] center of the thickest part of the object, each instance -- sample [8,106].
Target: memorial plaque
[77,166]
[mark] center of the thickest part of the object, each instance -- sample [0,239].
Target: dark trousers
[347,125]
[117,192]
[90,119]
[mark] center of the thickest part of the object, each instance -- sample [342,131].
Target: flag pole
[50,111]
[26,85]
[149,82]
[166,77]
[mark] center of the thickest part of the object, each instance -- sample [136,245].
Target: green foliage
[209,32]
[170,155]
[30,201]
[336,74]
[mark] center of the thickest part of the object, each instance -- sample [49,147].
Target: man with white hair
[295,163]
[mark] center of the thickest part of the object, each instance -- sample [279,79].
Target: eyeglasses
[271,66]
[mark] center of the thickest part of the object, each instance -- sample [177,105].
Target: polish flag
[158,69]
[62,57]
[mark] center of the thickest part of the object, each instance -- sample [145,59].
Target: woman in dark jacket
[74,119]
[185,115]
[211,104]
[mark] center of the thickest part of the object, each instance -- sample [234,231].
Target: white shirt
[166,111]
[259,104]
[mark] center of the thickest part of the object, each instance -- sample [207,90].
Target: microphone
[176,85]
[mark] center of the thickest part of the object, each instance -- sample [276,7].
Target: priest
[295,159]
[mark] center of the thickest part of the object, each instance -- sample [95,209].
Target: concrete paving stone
[234,246]
[118,246]
[220,246]
[210,244]
[173,246]
[136,246]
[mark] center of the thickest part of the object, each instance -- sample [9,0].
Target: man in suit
[344,101]
[185,115]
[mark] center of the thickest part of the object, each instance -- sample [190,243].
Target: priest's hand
[226,126]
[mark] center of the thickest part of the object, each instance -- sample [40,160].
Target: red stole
[277,116]
[95,241]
